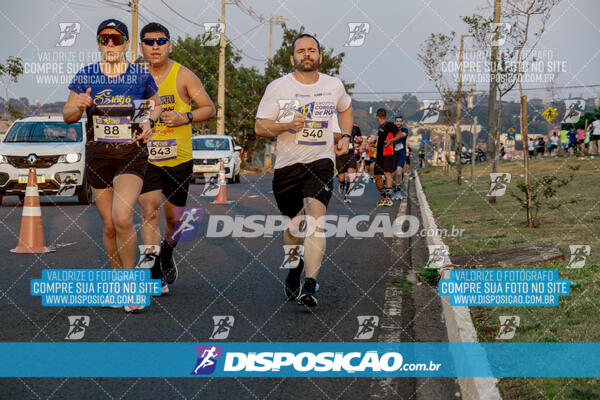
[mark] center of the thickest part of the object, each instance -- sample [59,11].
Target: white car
[207,152]
[57,151]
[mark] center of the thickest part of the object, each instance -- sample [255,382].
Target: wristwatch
[346,135]
[190,117]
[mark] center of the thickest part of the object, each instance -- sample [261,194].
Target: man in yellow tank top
[170,164]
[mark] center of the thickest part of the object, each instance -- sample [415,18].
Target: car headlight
[226,160]
[69,158]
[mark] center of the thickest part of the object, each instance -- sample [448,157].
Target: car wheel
[236,179]
[84,194]
[21,198]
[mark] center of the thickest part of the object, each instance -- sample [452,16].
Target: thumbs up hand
[84,100]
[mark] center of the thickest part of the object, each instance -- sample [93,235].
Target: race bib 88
[112,129]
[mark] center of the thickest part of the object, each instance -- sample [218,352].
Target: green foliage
[14,112]
[12,69]
[543,191]
[430,275]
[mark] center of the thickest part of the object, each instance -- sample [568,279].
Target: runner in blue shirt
[118,99]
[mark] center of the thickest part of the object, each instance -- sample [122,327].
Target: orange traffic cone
[31,235]
[221,197]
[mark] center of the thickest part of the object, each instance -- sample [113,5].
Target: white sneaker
[134,309]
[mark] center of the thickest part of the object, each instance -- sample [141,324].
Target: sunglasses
[150,42]
[117,39]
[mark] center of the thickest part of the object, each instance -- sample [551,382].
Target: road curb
[459,324]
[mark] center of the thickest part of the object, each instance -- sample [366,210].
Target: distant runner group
[139,148]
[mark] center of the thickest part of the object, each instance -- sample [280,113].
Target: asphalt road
[239,277]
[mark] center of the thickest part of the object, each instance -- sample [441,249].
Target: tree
[435,51]
[521,12]
[10,72]
[243,86]
[502,71]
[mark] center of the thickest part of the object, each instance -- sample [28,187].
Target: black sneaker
[292,282]
[307,297]
[169,268]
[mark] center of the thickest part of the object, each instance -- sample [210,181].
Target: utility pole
[493,92]
[221,84]
[134,30]
[458,144]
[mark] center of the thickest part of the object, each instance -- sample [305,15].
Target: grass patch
[404,286]
[488,227]
[430,275]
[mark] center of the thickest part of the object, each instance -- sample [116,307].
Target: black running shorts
[343,162]
[173,181]
[101,171]
[385,164]
[295,182]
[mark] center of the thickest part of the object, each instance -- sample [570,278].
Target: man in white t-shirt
[298,109]
[595,136]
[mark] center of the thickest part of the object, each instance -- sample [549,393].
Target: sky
[385,61]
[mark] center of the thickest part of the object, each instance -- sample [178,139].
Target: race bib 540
[314,133]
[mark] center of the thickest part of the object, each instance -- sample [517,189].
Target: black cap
[114,24]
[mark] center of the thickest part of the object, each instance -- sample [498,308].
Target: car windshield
[44,132]
[211,144]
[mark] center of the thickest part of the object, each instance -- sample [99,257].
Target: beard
[304,66]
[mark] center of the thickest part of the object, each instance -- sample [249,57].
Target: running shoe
[388,202]
[340,189]
[134,309]
[307,297]
[169,268]
[381,201]
[397,195]
[292,282]
[164,288]
[347,199]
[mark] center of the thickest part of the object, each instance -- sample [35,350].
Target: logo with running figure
[213,31]
[293,254]
[498,183]
[366,326]
[502,29]
[431,111]
[437,256]
[579,253]
[207,359]
[287,109]
[574,109]
[223,325]
[307,110]
[508,327]
[186,227]
[77,326]
[358,33]
[68,33]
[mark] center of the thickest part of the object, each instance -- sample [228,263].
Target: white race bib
[398,146]
[162,150]
[112,129]
[314,133]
